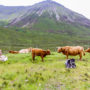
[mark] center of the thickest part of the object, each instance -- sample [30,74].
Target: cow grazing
[39,52]
[72,51]
[87,50]
[13,52]
[25,50]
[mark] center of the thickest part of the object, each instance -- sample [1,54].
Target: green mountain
[49,11]
[46,25]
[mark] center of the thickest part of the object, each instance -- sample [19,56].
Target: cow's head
[87,50]
[59,49]
[48,52]
[10,51]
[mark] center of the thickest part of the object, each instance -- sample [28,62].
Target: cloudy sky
[80,6]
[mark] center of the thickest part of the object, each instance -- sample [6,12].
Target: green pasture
[20,73]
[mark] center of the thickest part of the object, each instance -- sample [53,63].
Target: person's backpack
[70,63]
[3,58]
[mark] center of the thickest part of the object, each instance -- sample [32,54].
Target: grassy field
[19,73]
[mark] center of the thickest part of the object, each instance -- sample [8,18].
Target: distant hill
[8,13]
[49,11]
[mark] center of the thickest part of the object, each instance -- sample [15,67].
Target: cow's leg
[83,53]
[33,56]
[80,56]
[42,58]
[67,56]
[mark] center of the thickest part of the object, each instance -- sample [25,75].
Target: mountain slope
[51,10]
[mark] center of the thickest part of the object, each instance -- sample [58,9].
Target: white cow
[25,50]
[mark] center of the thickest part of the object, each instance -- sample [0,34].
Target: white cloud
[80,6]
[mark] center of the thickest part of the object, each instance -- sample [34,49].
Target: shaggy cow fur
[39,52]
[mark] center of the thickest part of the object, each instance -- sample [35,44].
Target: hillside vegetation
[20,73]
[44,36]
